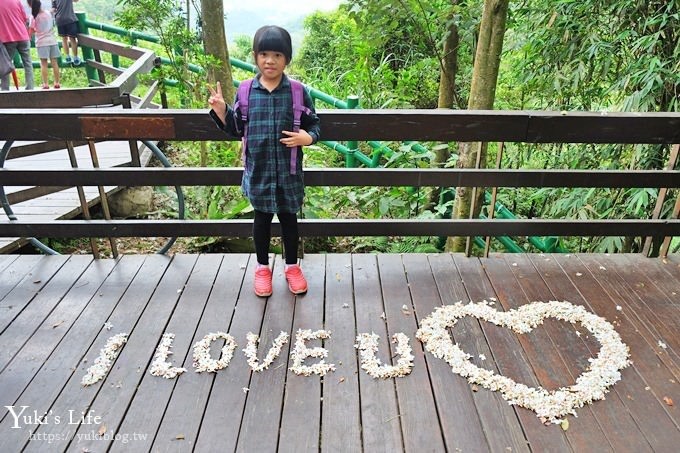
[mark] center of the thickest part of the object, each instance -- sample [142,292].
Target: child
[271,180]
[42,24]
[67,27]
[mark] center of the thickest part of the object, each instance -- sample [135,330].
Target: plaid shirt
[267,181]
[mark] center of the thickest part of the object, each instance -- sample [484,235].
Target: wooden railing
[115,92]
[440,125]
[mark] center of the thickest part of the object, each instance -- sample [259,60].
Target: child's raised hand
[216,101]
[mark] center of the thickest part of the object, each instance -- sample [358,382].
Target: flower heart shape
[549,406]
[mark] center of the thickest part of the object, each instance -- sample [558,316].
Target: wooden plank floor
[64,204]
[56,313]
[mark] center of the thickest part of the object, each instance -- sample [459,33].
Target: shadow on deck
[55,310]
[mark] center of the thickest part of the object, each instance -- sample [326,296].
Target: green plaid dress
[267,181]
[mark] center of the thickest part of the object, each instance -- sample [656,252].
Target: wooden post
[473,202]
[134,149]
[81,195]
[661,199]
[102,196]
[494,192]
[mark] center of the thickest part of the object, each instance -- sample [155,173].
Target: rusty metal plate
[120,128]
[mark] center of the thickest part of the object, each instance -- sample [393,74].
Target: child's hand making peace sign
[216,102]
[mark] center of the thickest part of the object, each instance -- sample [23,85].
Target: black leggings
[262,233]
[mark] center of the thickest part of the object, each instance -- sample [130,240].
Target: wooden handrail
[342,227]
[440,125]
[386,177]
[444,125]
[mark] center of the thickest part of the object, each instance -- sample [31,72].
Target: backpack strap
[299,108]
[243,92]
[241,105]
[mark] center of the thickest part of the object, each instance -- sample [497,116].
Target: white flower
[160,366]
[251,351]
[549,406]
[203,361]
[367,344]
[102,364]
[301,352]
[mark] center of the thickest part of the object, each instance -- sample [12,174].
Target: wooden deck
[64,204]
[53,311]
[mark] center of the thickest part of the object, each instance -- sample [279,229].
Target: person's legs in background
[24,48]
[49,54]
[65,48]
[11,48]
[44,74]
[74,50]
[55,72]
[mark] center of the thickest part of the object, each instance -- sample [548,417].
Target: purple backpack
[299,108]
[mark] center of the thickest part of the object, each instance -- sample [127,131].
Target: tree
[215,44]
[589,55]
[482,94]
[449,63]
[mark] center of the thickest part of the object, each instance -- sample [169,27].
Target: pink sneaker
[296,281]
[263,281]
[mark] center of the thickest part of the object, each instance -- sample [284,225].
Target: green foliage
[242,48]
[588,55]
[98,10]
[180,44]
[342,50]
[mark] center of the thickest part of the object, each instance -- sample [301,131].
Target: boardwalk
[53,312]
[64,204]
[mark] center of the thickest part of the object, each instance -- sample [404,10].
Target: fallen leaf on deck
[668,401]
[37,281]
[57,324]
[102,430]
[179,437]
[564,424]
[342,379]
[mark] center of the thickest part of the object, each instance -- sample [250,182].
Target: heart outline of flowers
[549,406]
